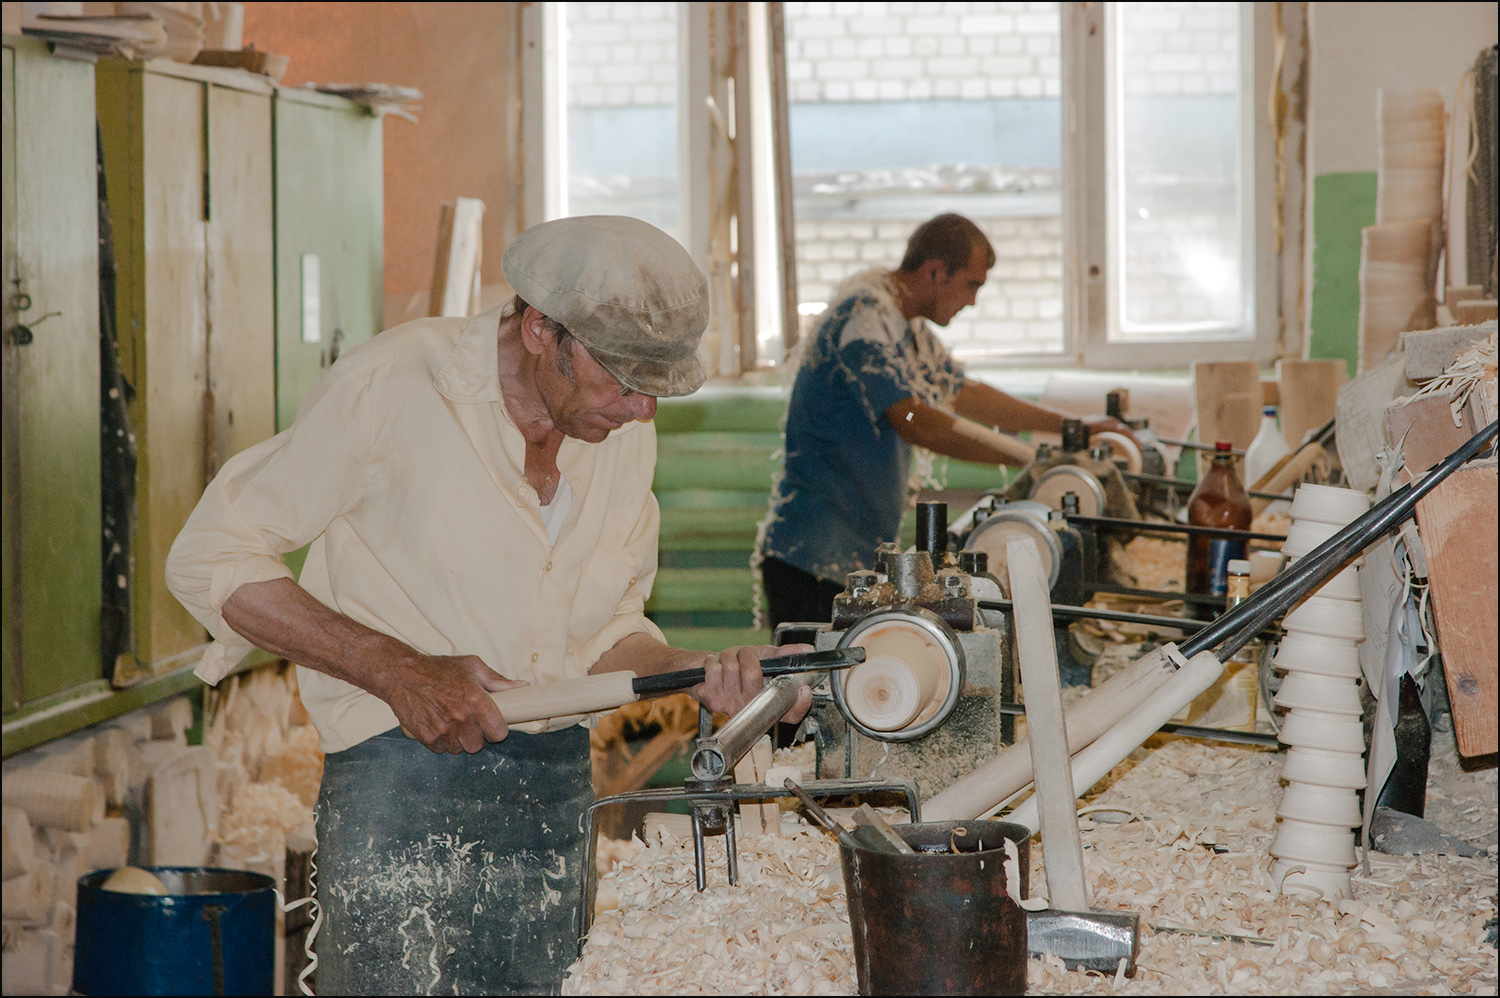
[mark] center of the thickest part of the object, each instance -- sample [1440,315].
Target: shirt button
[524,495]
[549,566]
[534,656]
[632,581]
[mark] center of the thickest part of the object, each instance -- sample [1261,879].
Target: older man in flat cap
[477,496]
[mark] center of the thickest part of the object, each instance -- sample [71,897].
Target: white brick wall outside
[833,48]
[1019,310]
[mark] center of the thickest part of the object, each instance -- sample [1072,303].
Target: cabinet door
[240,306]
[329,234]
[51,435]
[169,324]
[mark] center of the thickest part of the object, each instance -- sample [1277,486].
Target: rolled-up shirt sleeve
[269,499]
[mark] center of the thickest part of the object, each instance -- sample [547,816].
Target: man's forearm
[992,407]
[943,433]
[288,621]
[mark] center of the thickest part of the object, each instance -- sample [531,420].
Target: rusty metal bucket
[940,922]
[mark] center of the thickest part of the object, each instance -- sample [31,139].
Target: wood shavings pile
[783,930]
[1189,852]
[1151,562]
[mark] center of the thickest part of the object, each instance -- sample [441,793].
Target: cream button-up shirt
[405,473]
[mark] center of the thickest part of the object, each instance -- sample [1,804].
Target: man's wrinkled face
[952,293]
[584,400]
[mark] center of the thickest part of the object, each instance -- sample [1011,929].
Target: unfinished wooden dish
[1313,879]
[1308,802]
[1310,842]
[1318,655]
[1306,535]
[1329,694]
[1327,504]
[1329,618]
[1344,585]
[1315,729]
[1324,769]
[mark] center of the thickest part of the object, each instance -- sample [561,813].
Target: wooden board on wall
[1458,524]
[1228,397]
[1308,392]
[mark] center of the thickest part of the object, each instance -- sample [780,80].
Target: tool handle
[585,695]
[770,668]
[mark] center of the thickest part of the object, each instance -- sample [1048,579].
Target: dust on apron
[453,874]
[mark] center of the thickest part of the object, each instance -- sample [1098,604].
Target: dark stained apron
[451,874]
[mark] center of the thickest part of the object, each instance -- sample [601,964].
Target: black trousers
[795,595]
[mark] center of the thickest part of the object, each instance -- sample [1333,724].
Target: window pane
[900,112]
[621,78]
[1178,221]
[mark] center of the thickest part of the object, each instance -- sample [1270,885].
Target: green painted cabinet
[329,234]
[187,153]
[51,526]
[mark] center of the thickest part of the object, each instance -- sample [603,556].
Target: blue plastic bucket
[213,934]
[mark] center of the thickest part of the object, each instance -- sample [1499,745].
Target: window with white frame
[1110,151]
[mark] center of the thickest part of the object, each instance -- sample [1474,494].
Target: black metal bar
[1089,613]
[1159,594]
[1140,527]
[1194,445]
[1182,486]
[1185,730]
[1232,631]
[837,658]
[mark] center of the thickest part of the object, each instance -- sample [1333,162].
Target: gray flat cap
[627,290]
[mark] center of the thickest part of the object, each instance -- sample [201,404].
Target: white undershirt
[556,511]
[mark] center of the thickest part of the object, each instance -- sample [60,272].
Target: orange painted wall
[462,57]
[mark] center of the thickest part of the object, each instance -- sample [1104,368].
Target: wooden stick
[1290,474]
[1009,771]
[1094,763]
[1067,889]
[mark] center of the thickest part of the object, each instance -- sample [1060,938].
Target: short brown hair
[951,240]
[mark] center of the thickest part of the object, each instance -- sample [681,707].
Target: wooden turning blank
[903,675]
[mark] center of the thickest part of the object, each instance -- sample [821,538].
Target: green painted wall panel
[1343,204]
[329,183]
[678,589]
[53,382]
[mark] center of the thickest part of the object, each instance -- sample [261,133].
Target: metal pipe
[932,529]
[1182,486]
[1069,612]
[1236,628]
[715,757]
[1141,526]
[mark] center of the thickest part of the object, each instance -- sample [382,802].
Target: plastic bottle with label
[1219,500]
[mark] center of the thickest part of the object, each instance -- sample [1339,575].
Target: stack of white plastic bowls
[1314,846]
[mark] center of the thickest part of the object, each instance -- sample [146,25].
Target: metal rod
[782,665]
[1232,631]
[1115,523]
[1070,612]
[1194,445]
[1184,730]
[1182,486]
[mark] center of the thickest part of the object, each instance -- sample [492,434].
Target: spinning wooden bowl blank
[903,679]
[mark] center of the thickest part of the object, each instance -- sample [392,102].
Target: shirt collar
[471,372]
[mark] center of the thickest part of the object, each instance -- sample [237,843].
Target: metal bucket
[213,934]
[940,922]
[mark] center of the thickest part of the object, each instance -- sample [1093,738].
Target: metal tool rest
[713,794]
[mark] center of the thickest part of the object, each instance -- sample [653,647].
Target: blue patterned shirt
[845,480]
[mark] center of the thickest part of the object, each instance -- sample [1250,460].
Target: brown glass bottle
[1219,501]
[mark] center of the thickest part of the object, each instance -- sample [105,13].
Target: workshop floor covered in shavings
[1180,835]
